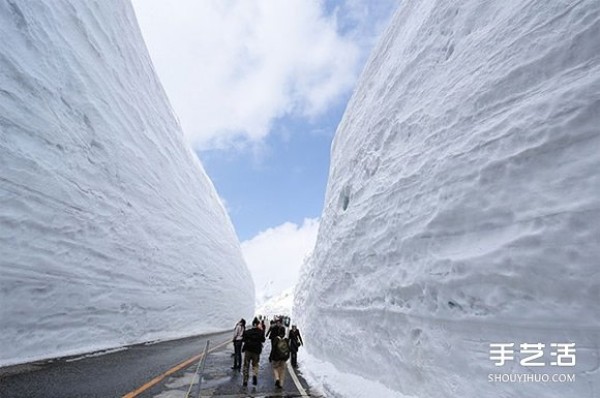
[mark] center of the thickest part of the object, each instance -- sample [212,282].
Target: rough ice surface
[110,231]
[463,203]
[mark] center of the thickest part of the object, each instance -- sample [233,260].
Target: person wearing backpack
[238,333]
[276,330]
[295,342]
[280,353]
[253,340]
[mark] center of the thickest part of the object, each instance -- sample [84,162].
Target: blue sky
[259,87]
[284,180]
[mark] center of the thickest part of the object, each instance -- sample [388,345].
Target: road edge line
[301,389]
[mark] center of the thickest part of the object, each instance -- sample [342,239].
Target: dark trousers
[294,355]
[237,354]
[250,357]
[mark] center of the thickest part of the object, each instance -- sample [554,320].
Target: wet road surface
[104,376]
[220,381]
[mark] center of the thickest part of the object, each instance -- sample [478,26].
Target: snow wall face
[463,203]
[110,231]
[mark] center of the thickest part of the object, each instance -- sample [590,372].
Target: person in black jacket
[271,324]
[295,342]
[276,330]
[253,340]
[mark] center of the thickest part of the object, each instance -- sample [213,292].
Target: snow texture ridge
[463,203]
[110,231]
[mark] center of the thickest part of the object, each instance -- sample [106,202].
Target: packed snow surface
[278,305]
[325,380]
[110,231]
[463,204]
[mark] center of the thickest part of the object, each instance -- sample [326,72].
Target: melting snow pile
[463,205]
[110,231]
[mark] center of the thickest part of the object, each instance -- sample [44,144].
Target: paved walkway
[220,381]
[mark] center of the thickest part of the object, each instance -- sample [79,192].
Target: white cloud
[230,68]
[274,256]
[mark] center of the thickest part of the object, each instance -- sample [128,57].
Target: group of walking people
[250,342]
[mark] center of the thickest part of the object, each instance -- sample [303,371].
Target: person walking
[276,330]
[280,353]
[238,334]
[271,324]
[253,340]
[295,342]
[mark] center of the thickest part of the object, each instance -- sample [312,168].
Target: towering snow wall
[110,231]
[463,203]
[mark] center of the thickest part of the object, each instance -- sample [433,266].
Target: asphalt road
[220,381]
[104,376]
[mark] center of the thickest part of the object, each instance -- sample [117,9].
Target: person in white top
[238,332]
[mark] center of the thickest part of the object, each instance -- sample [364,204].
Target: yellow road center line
[169,372]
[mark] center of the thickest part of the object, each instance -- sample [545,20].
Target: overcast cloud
[230,68]
[275,256]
